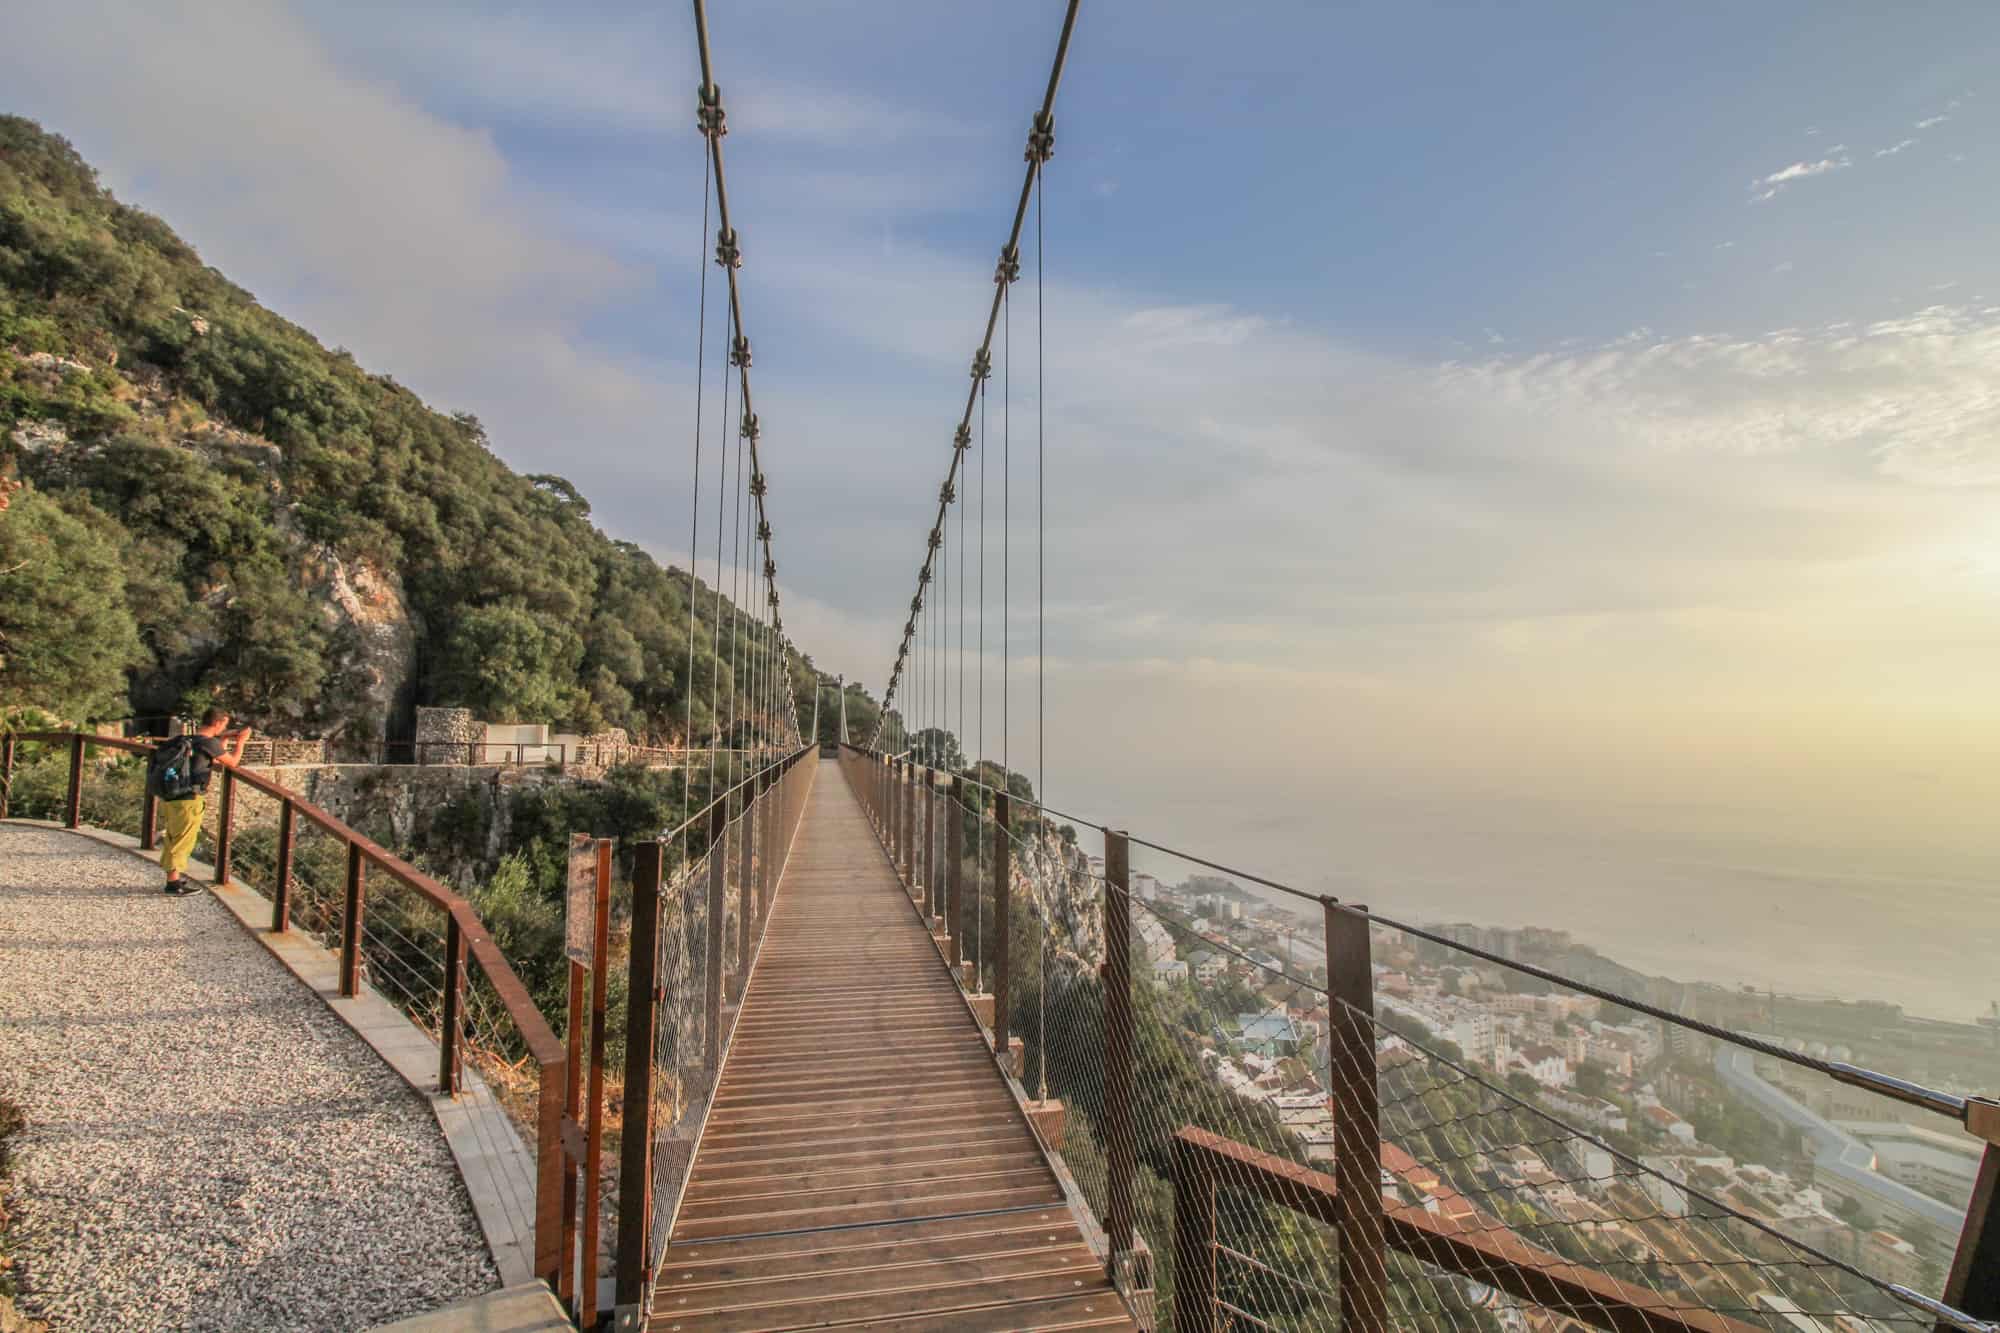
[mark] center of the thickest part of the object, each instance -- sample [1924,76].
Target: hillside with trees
[204,504]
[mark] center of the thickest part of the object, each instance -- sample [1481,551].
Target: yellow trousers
[180,825]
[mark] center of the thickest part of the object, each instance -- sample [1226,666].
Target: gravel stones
[208,1146]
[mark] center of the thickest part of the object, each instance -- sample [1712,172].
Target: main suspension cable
[721,493]
[713,123]
[694,514]
[1041,141]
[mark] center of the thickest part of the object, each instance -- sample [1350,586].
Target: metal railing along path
[391,926]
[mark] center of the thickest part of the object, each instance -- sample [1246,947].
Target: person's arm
[235,755]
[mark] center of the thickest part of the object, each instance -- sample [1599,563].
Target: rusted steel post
[448,1015]
[906,805]
[774,835]
[225,826]
[593,1157]
[6,771]
[895,813]
[1194,1243]
[573,1112]
[551,1258]
[281,890]
[718,858]
[1357,1121]
[149,822]
[954,855]
[350,932]
[929,799]
[749,902]
[73,807]
[1119,1145]
[635,1167]
[1974,1283]
[913,827]
[1002,849]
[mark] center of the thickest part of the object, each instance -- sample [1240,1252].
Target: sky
[1498,457]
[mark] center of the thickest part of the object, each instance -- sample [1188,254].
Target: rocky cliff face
[372,663]
[1055,876]
[375,637]
[397,805]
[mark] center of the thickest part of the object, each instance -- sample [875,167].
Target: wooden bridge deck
[865,1164]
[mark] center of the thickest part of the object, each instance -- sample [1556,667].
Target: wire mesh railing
[1513,1162]
[702,898]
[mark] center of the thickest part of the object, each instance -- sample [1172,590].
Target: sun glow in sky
[1573,428]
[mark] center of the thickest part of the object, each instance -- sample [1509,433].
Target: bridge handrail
[700,819]
[890,788]
[466,936]
[1495,1258]
[1963,1110]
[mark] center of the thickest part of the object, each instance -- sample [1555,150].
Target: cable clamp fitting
[757,482]
[982,364]
[739,352]
[771,572]
[763,530]
[727,253]
[962,437]
[1041,139]
[709,116]
[748,430]
[934,540]
[1008,270]
[947,493]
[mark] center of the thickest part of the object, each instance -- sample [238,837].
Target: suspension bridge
[897,1046]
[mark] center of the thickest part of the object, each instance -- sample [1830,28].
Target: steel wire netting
[1468,1159]
[1491,1184]
[682,1082]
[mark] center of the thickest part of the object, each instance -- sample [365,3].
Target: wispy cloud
[1801,170]
[1767,187]
[1895,148]
[1931,121]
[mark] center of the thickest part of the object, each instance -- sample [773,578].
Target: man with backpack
[178,776]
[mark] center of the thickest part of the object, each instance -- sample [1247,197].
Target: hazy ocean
[1808,918]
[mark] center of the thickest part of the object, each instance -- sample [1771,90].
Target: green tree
[505,662]
[66,638]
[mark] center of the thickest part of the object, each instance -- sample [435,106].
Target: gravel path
[208,1146]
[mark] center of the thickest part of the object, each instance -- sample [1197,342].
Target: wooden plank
[944,1302]
[985,1266]
[1094,1311]
[905,1208]
[863,1163]
[1005,1230]
[882,1155]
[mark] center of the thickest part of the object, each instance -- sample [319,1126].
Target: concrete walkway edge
[528,1308]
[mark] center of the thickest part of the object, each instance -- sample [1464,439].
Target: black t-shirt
[207,749]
